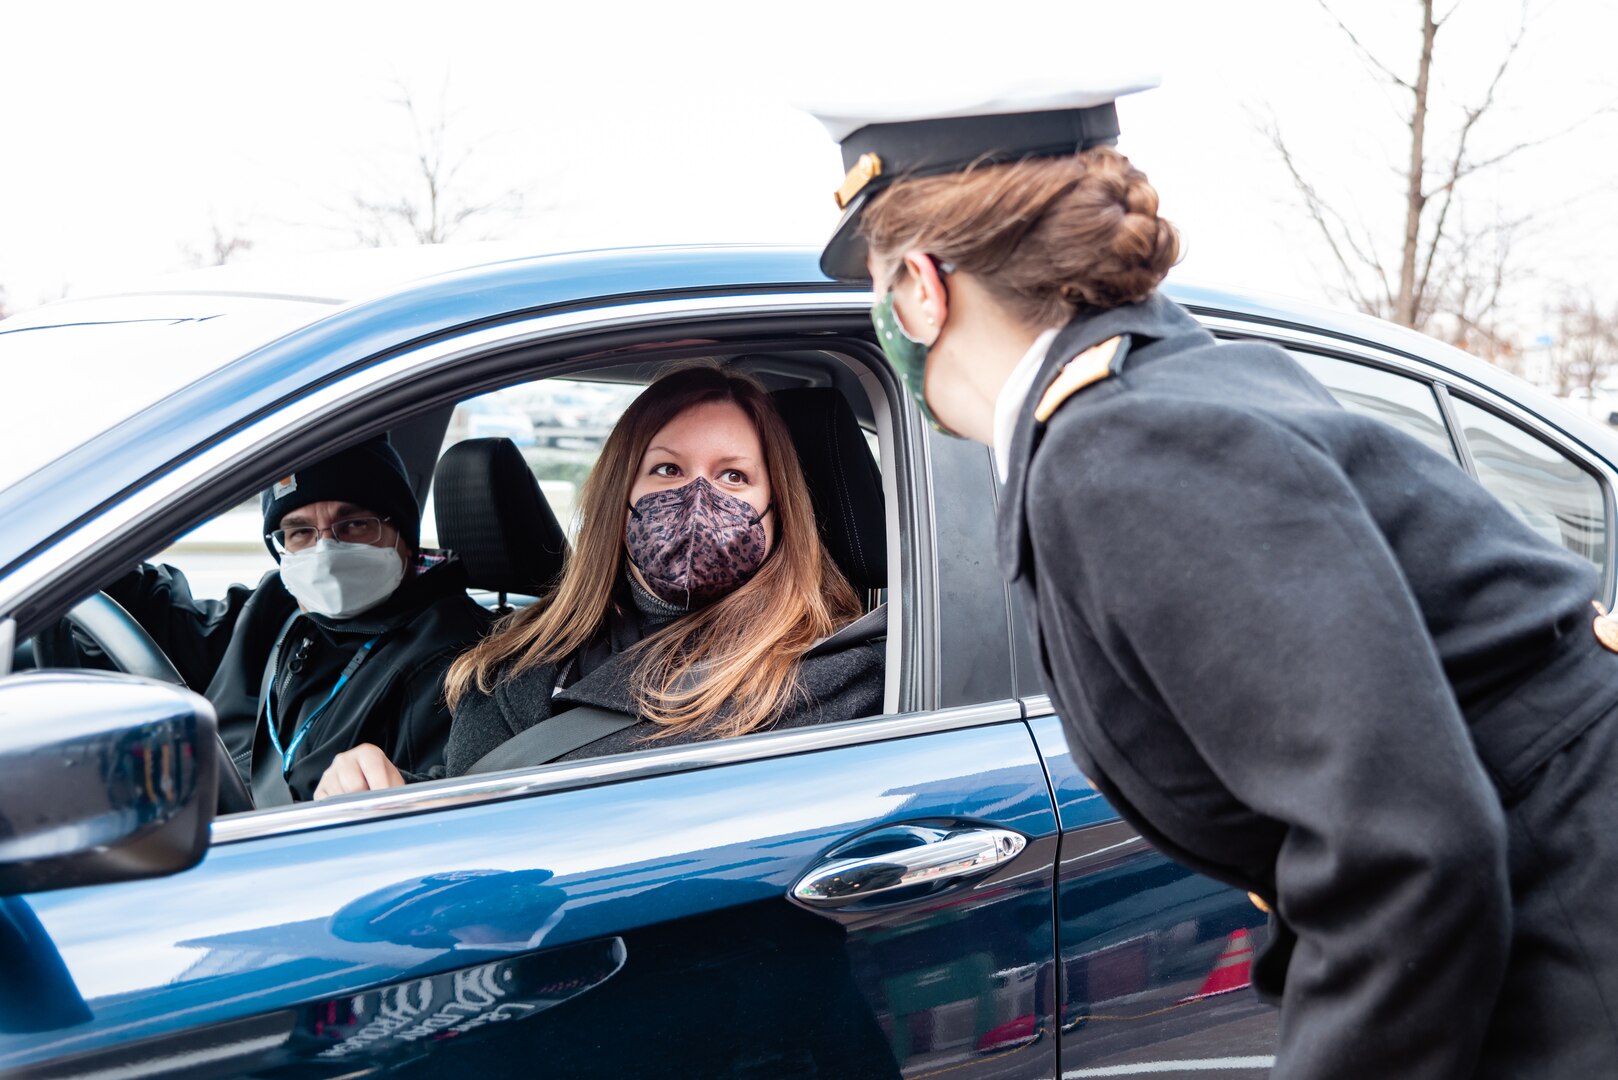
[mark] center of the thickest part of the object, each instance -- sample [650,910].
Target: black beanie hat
[371,475]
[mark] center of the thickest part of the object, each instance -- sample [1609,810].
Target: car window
[558,424]
[1405,403]
[223,551]
[1557,497]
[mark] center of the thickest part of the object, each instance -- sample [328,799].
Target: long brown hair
[740,654]
[1044,235]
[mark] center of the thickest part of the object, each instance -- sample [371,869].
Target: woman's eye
[733,476]
[667,469]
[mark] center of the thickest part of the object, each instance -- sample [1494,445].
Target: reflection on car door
[632,928]
[1155,959]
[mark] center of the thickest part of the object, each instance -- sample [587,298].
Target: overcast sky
[131,129]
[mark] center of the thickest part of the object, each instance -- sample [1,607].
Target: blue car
[935,891]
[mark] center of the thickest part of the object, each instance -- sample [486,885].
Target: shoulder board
[1089,367]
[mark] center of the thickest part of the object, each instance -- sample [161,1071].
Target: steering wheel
[103,621]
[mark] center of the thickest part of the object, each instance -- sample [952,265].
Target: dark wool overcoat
[1307,656]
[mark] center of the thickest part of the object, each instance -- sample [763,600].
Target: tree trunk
[1404,311]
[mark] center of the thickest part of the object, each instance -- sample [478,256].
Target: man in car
[346,642]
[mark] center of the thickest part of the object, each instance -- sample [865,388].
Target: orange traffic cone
[1234,968]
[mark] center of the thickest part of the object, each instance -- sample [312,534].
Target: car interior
[483,499]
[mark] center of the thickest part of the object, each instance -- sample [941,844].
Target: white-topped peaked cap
[951,131]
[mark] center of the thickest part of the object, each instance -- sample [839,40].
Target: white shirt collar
[1012,395]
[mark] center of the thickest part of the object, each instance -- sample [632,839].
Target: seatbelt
[268,780]
[558,736]
[265,780]
[554,738]
[868,627]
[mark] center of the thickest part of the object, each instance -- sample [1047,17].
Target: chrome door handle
[934,856]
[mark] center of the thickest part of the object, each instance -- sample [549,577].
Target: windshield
[74,369]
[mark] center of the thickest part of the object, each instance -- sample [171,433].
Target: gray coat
[1305,655]
[837,685]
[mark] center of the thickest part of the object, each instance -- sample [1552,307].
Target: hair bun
[1045,235]
[1140,197]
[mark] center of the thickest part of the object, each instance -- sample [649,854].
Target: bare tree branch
[1324,217]
[222,248]
[1368,57]
[439,206]
[1458,167]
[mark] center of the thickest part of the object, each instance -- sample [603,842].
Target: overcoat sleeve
[193,633]
[1235,581]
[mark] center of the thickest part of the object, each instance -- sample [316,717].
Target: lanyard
[303,728]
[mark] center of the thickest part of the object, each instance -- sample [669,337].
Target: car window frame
[1608,498]
[1445,382]
[398,385]
[1436,393]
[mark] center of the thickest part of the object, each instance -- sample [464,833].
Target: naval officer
[1300,652]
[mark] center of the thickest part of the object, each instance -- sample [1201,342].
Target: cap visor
[844,256]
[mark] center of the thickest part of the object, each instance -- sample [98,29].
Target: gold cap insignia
[866,169]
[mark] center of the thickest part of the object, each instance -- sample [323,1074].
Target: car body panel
[1155,959]
[277,923]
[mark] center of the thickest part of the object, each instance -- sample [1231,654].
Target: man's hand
[364,768]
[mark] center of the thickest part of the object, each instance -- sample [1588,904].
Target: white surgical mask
[340,580]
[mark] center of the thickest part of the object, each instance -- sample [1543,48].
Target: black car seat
[491,512]
[845,486]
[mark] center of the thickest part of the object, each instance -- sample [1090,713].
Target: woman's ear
[928,295]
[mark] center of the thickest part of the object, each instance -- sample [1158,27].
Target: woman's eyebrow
[665,450]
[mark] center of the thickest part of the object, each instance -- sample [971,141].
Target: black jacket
[838,685]
[394,697]
[1306,655]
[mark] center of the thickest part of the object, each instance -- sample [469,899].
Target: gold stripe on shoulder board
[1090,366]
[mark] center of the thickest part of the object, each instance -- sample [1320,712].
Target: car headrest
[492,514]
[844,482]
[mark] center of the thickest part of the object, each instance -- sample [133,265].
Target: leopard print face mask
[693,544]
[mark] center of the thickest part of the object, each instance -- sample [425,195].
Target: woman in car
[1298,650]
[696,604]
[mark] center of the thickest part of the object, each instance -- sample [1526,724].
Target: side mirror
[103,777]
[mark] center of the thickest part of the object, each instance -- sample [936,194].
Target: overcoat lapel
[607,687]
[528,700]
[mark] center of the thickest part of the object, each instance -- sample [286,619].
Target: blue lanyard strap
[303,728]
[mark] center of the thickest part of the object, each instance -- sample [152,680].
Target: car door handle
[929,857]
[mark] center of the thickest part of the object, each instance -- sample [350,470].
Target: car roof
[330,329]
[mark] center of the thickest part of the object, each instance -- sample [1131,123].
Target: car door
[605,923]
[683,910]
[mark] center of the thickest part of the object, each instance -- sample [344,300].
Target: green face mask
[908,356]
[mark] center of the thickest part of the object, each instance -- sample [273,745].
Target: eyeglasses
[356,530]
